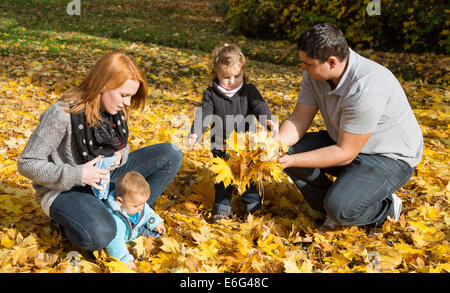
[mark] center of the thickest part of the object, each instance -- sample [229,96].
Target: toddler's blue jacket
[126,230]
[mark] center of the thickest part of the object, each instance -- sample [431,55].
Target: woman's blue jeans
[86,220]
[362,192]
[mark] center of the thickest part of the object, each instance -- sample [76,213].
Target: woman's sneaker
[55,226]
[397,204]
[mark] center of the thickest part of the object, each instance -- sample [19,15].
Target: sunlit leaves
[253,157]
[285,237]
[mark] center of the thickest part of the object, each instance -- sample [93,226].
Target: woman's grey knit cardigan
[51,158]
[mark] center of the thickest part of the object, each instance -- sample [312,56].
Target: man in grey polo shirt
[372,143]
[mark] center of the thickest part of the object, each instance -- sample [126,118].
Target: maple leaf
[170,245]
[290,265]
[389,258]
[249,165]
[117,266]
[45,259]
[223,171]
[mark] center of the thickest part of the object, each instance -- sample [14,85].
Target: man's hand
[286,161]
[295,126]
[342,153]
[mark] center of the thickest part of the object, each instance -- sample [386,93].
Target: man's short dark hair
[322,41]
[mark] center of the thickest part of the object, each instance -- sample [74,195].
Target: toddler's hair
[226,54]
[132,182]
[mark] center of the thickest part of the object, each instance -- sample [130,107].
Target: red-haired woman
[90,122]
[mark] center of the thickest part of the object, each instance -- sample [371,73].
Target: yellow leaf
[406,249]
[45,259]
[89,267]
[421,226]
[146,267]
[307,266]
[7,242]
[389,258]
[139,246]
[290,265]
[117,266]
[253,157]
[223,171]
[440,268]
[8,205]
[207,249]
[170,245]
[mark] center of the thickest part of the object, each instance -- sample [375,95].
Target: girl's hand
[160,228]
[191,141]
[92,175]
[116,163]
[276,136]
[273,127]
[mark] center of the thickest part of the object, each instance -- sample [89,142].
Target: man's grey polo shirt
[368,99]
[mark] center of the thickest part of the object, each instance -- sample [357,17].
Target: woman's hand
[92,175]
[191,141]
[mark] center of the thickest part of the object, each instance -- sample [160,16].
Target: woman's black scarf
[109,136]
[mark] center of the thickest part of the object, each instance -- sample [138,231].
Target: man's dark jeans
[362,192]
[85,219]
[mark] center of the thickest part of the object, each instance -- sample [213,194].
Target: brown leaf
[45,259]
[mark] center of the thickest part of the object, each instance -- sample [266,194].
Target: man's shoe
[397,204]
[328,224]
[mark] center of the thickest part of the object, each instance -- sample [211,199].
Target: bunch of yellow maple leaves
[253,157]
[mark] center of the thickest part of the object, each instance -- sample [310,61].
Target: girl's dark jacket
[232,113]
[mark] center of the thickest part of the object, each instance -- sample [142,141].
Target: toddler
[133,216]
[229,96]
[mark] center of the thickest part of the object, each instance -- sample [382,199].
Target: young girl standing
[230,101]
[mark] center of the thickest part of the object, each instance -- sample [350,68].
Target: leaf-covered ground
[42,54]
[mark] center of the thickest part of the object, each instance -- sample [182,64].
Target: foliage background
[414,26]
[44,51]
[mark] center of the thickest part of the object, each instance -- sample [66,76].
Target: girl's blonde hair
[109,72]
[132,182]
[226,55]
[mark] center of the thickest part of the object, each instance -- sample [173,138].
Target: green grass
[196,25]
[140,21]
[199,27]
